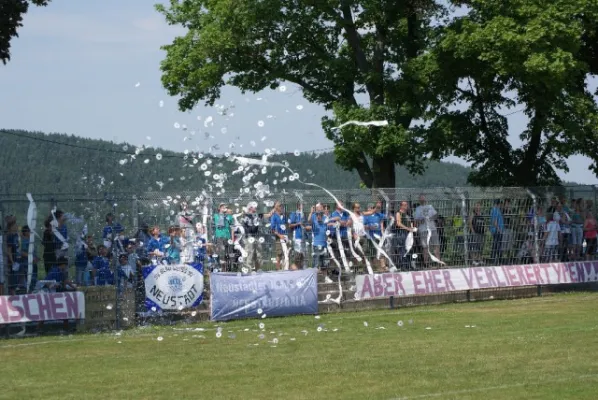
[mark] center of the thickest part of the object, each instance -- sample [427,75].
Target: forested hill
[54,163]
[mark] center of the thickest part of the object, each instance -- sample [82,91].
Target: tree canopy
[11,18]
[443,82]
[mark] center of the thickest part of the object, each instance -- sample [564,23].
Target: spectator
[132,258]
[457,223]
[60,274]
[223,223]
[552,238]
[279,230]
[577,222]
[496,228]
[374,223]
[320,251]
[111,230]
[253,247]
[404,226]
[565,225]
[125,273]
[590,228]
[200,245]
[82,257]
[102,274]
[49,245]
[156,247]
[477,229]
[60,231]
[142,238]
[25,242]
[358,227]
[425,217]
[297,233]
[12,253]
[339,220]
[173,247]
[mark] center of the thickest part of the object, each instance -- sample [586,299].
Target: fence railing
[469,226]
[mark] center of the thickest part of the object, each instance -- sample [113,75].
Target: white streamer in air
[385,234]
[285,251]
[408,243]
[341,248]
[362,123]
[432,257]
[353,252]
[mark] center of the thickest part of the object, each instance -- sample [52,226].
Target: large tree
[505,56]
[354,57]
[11,17]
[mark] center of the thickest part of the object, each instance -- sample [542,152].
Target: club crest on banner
[173,287]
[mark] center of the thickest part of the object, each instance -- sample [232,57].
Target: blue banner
[173,287]
[281,293]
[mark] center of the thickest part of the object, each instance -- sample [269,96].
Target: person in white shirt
[425,216]
[552,238]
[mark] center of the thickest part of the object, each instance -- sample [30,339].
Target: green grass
[541,348]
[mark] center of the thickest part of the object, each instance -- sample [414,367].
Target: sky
[91,69]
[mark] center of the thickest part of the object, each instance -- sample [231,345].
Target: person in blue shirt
[156,247]
[320,242]
[279,230]
[497,227]
[25,240]
[296,227]
[110,230]
[341,218]
[374,225]
[59,274]
[142,238]
[102,275]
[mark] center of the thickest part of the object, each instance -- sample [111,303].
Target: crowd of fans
[382,238]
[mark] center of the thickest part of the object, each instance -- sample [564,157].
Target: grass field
[541,348]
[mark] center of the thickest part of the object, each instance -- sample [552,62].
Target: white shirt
[358,226]
[553,229]
[425,212]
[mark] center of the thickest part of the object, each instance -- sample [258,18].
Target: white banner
[173,287]
[459,279]
[41,307]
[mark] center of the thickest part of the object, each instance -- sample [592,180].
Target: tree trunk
[383,170]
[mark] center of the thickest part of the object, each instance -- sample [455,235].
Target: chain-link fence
[456,227]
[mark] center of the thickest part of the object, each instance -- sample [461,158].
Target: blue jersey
[56,274]
[111,229]
[201,251]
[344,217]
[277,224]
[103,273]
[319,229]
[296,218]
[157,244]
[374,221]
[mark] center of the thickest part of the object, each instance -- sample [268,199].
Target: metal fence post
[135,212]
[535,230]
[465,229]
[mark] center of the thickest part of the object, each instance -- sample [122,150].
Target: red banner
[42,307]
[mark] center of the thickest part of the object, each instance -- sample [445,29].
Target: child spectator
[223,223]
[173,248]
[552,238]
[125,273]
[59,274]
[102,275]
